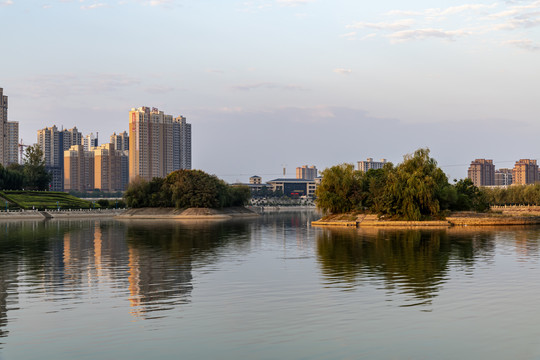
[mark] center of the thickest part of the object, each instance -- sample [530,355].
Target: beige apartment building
[78,169]
[369,164]
[157,143]
[120,141]
[525,172]
[482,172]
[306,172]
[109,165]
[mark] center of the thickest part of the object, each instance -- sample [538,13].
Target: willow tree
[340,190]
[416,188]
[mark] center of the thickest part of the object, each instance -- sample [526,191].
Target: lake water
[267,288]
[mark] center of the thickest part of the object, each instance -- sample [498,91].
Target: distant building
[525,172]
[9,134]
[53,143]
[255,180]
[158,144]
[181,143]
[503,177]
[120,141]
[306,172]
[294,187]
[12,142]
[369,164]
[108,166]
[78,169]
[482,172]
[90,141]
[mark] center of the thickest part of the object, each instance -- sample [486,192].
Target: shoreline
[59,214]
[455,220]
[186,214]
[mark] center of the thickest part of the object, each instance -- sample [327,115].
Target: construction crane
[21,151]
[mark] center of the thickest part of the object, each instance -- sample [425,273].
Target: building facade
[9,134]
[12,142]
[503,177]
[158,144]
[525,172]
[53,143]
[3,127]
[78,169]
[109,164]
[369,164]
[120,141]
[306,172]
[90,141]
[482,172]
[294,187]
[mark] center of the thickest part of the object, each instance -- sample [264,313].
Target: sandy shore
[186,214]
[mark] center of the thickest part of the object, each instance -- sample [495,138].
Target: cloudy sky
[273,83]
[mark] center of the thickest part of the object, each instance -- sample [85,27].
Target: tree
[35,175]
[415,187]
[340,190]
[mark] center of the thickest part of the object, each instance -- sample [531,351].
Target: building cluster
[9,134]
[156,145]
[482,172]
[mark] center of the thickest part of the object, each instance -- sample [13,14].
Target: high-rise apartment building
[503,177]
[306,172]
[53,143]
[9,134]
[3,127]
[78,169]
[525,172]
[182,143]
[369,164]
[120,141]
[12,142]
[156,146]
[90,141]
[110,168]
[482,172]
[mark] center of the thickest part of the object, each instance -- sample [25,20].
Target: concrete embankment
[59,214]
[186,214]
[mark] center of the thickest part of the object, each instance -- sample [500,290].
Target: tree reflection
[416,262]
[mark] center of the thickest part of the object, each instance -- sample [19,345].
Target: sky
[273,84]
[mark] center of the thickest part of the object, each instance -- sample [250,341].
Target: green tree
[415,187]
[340,190]
[36,177]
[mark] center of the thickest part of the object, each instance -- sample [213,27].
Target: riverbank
[455,219]
[59,214]
[187,214]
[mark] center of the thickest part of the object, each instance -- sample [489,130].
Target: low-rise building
[294,187]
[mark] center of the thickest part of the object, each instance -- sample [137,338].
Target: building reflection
[413,263]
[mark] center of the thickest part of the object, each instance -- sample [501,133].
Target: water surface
[266,288]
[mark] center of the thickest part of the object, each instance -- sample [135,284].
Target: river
[266,288]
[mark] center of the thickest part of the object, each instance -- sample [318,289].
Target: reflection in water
[414,261]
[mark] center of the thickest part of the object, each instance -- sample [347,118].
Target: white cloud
[525,44]
[293,2]
[267,85]
[93,6]
[343,71]
[393,26]
[420,34]
[6,3]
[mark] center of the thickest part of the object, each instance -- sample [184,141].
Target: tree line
[185,189]
[416,189]
[513,195]
[32,175]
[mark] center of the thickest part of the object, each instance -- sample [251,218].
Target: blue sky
[268,83]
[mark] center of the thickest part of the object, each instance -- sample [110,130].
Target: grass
[44,200]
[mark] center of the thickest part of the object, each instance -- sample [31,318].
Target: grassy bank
[42,200]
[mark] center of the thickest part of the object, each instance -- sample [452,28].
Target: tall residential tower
[158,143]
[9,134]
